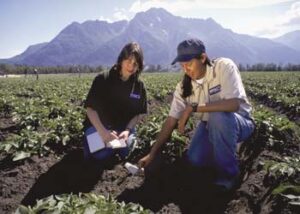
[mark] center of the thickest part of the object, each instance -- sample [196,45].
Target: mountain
[72,43]
[158,32]
[290,39]
[19,58]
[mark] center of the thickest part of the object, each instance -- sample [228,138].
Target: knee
[220,120]
[103,154]
[216,117]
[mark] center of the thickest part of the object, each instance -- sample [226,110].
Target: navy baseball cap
[189,49]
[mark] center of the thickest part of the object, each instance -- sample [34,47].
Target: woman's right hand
[145,161]
[109,136]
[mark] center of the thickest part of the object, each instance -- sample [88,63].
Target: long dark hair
[187,81]
[130,49]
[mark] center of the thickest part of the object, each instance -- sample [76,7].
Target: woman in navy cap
[213,90]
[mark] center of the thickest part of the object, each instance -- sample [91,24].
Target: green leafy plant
[288,167]
[82,203]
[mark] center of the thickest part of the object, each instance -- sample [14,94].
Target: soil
[39,177]
[172,190]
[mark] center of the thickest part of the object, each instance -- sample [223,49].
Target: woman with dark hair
[214,91]
[115,103]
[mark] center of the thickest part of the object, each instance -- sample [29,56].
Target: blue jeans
[214,144]
[107,152]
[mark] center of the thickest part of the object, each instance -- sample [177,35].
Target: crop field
[42,168]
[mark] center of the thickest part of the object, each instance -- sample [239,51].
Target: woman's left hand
[124,135]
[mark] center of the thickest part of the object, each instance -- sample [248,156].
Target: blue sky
[28,22]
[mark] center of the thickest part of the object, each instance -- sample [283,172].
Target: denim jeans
[107,152]
[214,144]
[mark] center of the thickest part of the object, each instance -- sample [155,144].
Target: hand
[124,135]
[184,118]
[109,136]
[145,161]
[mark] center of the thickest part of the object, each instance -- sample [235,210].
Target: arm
[96,122]
[132,123]
[229,105]
[165,133]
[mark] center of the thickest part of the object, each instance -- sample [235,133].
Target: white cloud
[173,7]
[292,16]
[268,31]
[276,26]
[102,18]
[185,5]
[119,14]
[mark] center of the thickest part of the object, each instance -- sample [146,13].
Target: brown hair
[131,49]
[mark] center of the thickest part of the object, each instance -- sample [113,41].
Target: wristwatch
[194,106]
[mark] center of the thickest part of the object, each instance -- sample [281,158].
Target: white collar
[200,81]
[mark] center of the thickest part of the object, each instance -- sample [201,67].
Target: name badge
[135,96]
[215,90]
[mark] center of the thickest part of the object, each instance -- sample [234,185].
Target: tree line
[269,67]
[24,69]
[6,69]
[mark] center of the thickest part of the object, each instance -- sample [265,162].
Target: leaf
[22,210]
[60,205]
[297,203]
[21,155]
[292,197]
[290,171]
[7,147]
[90,210]
[65,140]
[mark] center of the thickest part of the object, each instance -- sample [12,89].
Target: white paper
[115,144]
[95,142]
[133,169]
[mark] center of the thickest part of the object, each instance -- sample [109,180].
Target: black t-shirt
[116,101]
